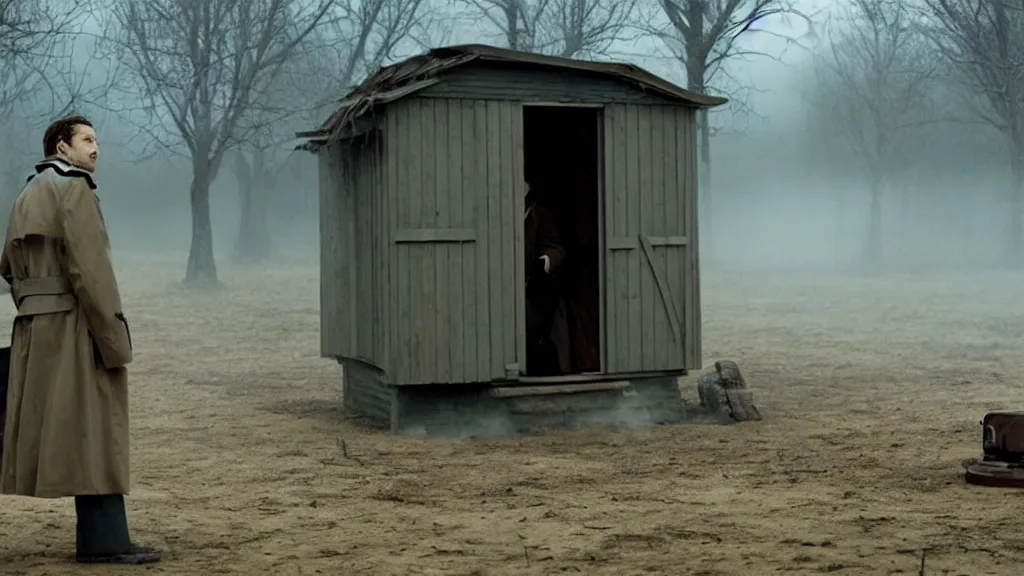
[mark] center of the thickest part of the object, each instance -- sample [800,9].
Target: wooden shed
[422,174]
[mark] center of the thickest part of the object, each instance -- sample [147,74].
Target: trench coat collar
[63,166]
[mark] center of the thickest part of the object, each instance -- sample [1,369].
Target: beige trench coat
[67,404]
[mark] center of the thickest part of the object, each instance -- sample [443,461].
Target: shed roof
[414,74]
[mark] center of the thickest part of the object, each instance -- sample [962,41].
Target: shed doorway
[562,164]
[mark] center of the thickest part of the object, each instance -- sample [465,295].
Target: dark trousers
[102,525]
[5,369]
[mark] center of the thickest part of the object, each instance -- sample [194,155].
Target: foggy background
[918,105]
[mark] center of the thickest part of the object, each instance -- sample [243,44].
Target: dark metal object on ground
[1002,436]
[1002,445]
[995,474]
[724,394]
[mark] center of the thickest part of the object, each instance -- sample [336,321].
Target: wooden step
[546,390]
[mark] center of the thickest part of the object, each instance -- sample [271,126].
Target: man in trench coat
[66,430]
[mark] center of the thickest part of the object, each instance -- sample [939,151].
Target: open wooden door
[650,265]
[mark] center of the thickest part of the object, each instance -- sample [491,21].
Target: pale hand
[547,264]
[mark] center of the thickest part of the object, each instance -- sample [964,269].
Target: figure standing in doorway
[66,432]
[547,334]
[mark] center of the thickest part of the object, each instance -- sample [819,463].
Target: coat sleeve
[92,273]
[5,272]
[549,241]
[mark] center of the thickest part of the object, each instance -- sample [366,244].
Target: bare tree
[254,181]
[33,34]
[567,28]
[39,74]
[703,36]
[876,71]
[360,37]
[365,35]
[983,40]
[200,65]
[42,76]
[268,128]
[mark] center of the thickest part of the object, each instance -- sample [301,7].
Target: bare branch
[983,41]
[875,78]
[704,34]
[567,28]
[355,39]
[37,41]
[200,66]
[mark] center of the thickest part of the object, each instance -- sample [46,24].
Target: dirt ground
[872,391]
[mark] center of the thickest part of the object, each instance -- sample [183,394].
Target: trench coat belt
[42,295]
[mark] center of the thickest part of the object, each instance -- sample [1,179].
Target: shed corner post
[519,171]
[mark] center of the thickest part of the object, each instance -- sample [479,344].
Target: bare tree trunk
[906,190]
[201,270]
[838,228]
[253,242]
[696,73]
[872,254]
[243,179]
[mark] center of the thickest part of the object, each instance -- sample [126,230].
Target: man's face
[526,188]
[83,150]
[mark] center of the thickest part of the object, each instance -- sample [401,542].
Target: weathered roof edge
[419,72]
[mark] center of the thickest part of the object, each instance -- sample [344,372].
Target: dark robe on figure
[547,332]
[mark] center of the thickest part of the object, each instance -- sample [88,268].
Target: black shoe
[137,555]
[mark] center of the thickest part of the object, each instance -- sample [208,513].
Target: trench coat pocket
[114,346]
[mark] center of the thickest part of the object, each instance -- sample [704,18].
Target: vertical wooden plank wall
[361,274]
[518,177]
[650,157]
[328,184]
[369,254]
[454,171]
[614,224]
[686,133]
[379,265]
[352,200]
[475,186]
[673,223]
[402,136]
[337,252]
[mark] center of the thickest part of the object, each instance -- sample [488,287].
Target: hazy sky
[775,82]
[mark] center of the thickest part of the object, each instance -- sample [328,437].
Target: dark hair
[63,129]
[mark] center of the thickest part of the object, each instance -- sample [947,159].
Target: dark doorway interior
[562,164]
